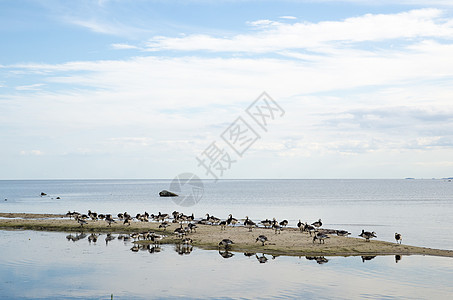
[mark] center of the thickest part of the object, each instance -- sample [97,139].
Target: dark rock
[166,193]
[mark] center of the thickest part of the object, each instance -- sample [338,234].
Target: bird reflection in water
[397,258]
[153,248]
[261,259]
[365,258]
[249,254]
[76,237]
[93,238]
[137,247]
[183,249]
[319,259]
[109,238]
[124,237]
[226,254]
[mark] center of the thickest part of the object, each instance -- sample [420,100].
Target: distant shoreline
[289,242]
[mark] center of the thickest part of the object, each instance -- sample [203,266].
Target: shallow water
[419,209]
[46,265]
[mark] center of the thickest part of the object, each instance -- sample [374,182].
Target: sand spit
[289,242]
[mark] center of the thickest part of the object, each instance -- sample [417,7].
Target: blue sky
[139,89]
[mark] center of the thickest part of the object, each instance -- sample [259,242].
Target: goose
[398,238]
[109,220]
[262,239]
[317,224]
[164,225]
[321,237]
[309,228]
[232,220]
[92,215]
[190,218]
[226,243]
[182,218]
[192,227]
[135,248]
[276,226]
[300,225]
[249,223]
[162,217]
[127,222]
[81,221]
[284,223]
[266,223]
[342,233]
[367,235]
[223,225]
[180,231]
[120,216]
[213,220]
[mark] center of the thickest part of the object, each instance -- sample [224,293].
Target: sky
[152,89]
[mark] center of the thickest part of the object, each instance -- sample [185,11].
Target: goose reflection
[183,249]
[124,237]
[398,258]
[226,254]
[249,254]
[154,248]
[319,259]
[76,237]
[109,238]
[261,259]
[367,257]
[93,238]
[137,247]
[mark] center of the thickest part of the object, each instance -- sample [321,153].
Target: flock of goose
[189,224]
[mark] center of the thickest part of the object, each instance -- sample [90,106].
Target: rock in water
[166,193]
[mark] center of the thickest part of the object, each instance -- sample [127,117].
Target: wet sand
[289,242]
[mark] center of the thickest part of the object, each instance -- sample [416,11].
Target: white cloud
[123,46]
[31,87]
[323,36]
[288,17]
[31,152]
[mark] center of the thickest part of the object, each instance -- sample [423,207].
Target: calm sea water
[45,265]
